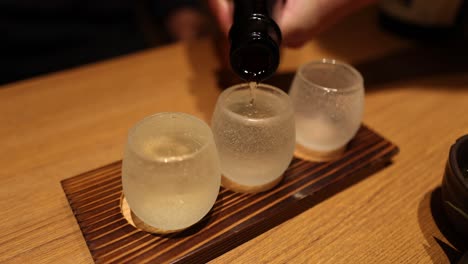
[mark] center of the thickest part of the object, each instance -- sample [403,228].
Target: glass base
[304,153]
[239,188]
[135,221]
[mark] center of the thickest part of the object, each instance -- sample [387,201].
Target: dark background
[38,37]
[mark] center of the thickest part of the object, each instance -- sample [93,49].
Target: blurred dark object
[435,20]
[455,187]
[418,61]
[414,62]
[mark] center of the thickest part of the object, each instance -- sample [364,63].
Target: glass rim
[231,89]
[355,86]
[131,132]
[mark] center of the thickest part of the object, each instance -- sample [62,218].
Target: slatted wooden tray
[96,200]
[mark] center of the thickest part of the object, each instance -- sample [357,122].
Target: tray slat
[95,198]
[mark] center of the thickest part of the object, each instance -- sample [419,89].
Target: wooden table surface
[56,126]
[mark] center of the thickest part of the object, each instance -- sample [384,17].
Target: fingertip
[229,12]
[223,11]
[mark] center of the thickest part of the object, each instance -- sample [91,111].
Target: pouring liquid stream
[253,87]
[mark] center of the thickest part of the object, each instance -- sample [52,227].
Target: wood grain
[57,126]
[95,198]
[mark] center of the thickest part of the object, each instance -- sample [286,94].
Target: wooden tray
[96,200]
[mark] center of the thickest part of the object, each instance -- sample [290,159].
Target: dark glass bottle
[255,39]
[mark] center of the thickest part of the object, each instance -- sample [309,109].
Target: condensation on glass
[255,139]
[170,171]
[328,100]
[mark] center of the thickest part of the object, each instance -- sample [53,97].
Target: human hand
[186,23]
[299,20]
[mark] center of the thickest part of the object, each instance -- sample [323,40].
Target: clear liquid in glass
[256,140]
[170,178]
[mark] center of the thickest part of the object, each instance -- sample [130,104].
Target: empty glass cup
[254,135]
[328,100]
[170,172]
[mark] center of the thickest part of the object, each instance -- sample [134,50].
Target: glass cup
[170,172]
[255,139]
[328,100]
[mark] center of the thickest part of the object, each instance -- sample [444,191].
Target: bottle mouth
[256,58]
[255,42]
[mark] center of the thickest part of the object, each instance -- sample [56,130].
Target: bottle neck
[253,16]
[244,9]
[255,40]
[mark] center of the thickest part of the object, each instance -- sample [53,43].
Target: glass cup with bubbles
[170,172]
[254,135]
[328,100]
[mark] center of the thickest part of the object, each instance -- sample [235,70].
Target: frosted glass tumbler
[170,172]
[254,135]
[328,100]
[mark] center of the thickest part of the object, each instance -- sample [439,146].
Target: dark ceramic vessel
[455,187]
